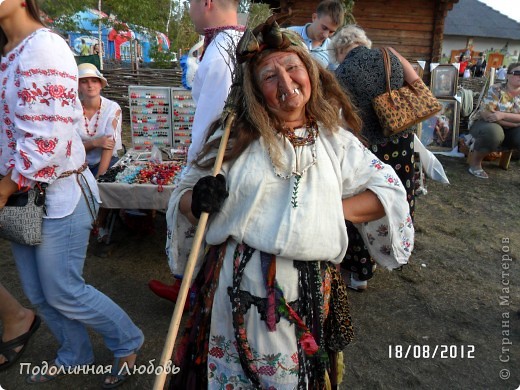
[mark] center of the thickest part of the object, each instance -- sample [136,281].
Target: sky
[509,8]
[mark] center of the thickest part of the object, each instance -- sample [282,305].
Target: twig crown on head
[267,35]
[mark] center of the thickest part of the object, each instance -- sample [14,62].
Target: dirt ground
[460,295]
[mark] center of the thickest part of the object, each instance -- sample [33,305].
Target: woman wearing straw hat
[40,143]
[101,128]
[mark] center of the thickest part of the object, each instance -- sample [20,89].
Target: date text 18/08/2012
[442,351]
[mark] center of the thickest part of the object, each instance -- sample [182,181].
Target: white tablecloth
[134,196]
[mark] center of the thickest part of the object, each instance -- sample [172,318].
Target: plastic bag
[432,166]
[156,156]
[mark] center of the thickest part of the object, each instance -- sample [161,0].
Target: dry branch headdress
[267,35]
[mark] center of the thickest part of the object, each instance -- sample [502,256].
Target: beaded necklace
[296,141]
[312,132]
[92,134]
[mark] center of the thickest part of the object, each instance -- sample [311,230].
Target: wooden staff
[190,266]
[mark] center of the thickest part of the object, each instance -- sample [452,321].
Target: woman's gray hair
[346,36]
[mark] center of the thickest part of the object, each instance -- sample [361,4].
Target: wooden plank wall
[415,28]
[405,25]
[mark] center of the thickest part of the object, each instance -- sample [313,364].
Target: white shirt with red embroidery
[40,115]
[107,123]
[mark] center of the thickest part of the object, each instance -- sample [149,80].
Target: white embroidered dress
[298,218]
[40,114]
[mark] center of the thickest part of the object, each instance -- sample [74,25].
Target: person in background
[40,146]
[361,74]
[501,73]
[463,64]
[291,176]
[217,20]
[497,124]
[101,130]
[329,16]
[480,66]
[84,49]
[95,49]
[19,324]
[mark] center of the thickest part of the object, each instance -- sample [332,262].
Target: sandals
[7,349]
[120,372]
[480,173]
[50,374]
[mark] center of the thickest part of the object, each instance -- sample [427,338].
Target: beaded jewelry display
[87,129]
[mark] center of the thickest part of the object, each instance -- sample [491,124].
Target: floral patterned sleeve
[389,239]
[43,110]
[491,100]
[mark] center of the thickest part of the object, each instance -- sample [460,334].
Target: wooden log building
[414,28]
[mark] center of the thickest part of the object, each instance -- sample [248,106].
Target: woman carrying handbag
[361,73]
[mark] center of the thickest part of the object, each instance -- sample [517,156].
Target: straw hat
[90,70]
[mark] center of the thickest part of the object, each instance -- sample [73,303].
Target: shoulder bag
[21,218]
[401,108]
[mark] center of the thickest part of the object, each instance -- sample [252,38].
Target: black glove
[208,195]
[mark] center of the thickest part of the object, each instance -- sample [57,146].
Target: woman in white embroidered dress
[40,143]
[290,178]
[101,130]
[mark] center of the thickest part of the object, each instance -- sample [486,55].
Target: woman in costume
[291,175]
[40,147]
[361,73]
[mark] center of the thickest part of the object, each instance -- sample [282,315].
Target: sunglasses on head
[515,72]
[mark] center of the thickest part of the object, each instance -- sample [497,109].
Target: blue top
[320,53]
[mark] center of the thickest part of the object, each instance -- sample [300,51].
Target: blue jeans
[52,278]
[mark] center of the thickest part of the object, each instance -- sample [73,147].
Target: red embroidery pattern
[46,145]
[69,148]
[48,72]
[43,118]
[26,162]
[49,92]
[46,173]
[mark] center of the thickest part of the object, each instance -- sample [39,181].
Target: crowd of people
[309,187]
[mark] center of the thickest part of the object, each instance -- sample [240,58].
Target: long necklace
[87,129]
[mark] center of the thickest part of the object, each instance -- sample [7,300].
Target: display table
[134,196]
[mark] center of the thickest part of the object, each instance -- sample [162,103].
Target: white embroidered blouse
[108,124]
[211,87]
[300,217]
[40,115]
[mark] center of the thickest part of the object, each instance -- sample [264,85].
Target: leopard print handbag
[401,108]
[338,330]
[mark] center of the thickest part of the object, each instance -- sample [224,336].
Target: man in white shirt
[329,16]
[502,73]
[217,20]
